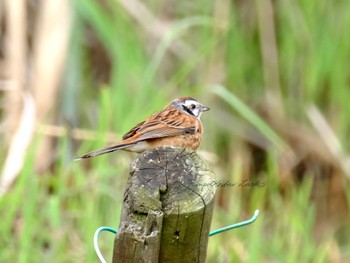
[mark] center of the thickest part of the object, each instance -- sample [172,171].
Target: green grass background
[52,217]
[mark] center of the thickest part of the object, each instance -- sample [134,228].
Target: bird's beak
[204,108]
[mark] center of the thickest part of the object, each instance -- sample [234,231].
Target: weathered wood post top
[167,208]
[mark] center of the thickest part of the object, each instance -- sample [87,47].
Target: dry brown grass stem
[50,48]
[269,50]
[13,69]
[18,116]
[78,134]
[19,144]
[329,138]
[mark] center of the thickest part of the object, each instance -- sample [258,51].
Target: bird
[178,124]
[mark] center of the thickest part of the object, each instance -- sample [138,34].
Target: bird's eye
[192,106]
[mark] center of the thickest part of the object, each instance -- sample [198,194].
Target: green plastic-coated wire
[218,231]
[97,233]
[244,223]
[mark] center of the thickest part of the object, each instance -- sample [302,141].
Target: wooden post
[167,208]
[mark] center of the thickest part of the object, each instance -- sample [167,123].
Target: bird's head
[189,106]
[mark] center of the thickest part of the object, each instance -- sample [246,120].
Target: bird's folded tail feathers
[103,151]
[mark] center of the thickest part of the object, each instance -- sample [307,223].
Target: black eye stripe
[187,110]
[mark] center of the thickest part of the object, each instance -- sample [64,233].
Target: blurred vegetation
[274,73]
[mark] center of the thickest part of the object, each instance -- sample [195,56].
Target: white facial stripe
[188,103]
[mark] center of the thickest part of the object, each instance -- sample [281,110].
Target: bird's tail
[103,151]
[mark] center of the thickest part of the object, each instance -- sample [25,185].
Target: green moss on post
[167,208]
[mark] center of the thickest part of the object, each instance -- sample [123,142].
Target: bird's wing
[133,131]
[169,122]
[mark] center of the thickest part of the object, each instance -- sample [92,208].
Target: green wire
[218,231]
[244,223]
[97,233]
